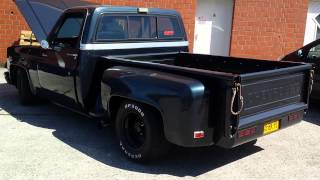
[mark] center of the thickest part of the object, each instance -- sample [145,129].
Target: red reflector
[247,132]
[294,117]
[168,33]
[198,134]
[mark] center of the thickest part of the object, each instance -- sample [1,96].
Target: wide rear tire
[140,132]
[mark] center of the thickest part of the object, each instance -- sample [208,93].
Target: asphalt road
[48,142]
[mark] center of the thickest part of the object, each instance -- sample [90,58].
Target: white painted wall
[311,27]
[213,25]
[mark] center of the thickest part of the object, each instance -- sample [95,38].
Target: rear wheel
[140,132]
[25,95]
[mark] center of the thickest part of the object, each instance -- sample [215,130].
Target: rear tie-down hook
[235,90]
[312,80]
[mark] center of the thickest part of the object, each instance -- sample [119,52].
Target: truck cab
[89,31]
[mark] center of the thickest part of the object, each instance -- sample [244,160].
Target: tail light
[295,116]
[247,132]
[198,134]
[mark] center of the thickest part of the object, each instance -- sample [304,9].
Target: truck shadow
[84,135]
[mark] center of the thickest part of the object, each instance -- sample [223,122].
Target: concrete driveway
[48,142]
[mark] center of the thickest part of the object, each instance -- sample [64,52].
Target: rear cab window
[142,27]
[138,28]
[169,28]
[112,28]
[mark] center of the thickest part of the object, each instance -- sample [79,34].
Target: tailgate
[275,98]
[266,91]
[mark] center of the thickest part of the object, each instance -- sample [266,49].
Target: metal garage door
[213,27]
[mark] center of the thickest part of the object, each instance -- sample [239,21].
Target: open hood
[42,15]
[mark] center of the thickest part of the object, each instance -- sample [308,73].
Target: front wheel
[140,132]
[25,95]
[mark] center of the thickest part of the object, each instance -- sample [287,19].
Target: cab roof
[126,9]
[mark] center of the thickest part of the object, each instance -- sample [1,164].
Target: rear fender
[182,102]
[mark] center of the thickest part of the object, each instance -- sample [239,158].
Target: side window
[169,28]
[314,53]
[112,28]
[69,32]
[142,27]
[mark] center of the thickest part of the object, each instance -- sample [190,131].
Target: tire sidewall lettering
[136,108]
[123,148]
[129,154]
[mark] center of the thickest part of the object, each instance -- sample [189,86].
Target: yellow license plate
[271,127]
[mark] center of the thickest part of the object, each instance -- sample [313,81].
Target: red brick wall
[12,23]
[265,29]
[268,29]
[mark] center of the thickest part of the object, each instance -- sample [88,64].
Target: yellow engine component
[27,38]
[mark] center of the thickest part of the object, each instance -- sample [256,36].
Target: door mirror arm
[57,48]
[45,45]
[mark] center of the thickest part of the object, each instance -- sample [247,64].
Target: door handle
[73,55]
[44,55]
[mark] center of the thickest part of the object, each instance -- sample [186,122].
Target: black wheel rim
[134,131]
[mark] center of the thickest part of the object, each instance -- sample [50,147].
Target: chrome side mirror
[44,44]
[300,53]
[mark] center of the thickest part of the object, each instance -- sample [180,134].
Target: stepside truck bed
[245,96]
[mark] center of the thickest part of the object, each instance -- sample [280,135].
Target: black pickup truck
[130,66]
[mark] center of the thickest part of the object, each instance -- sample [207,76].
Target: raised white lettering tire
[140,132]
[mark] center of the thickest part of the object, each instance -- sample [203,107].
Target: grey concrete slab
[47,142]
